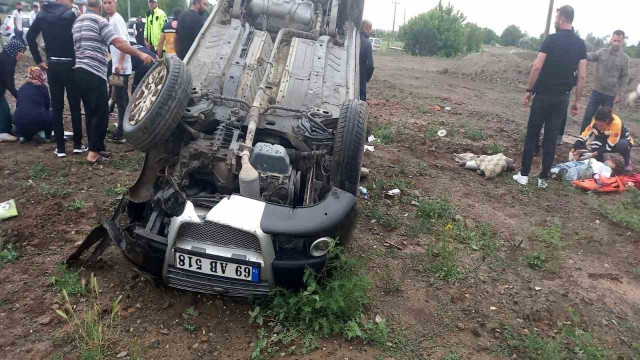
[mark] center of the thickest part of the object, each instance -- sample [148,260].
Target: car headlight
[320,247]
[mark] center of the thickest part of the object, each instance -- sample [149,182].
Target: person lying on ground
[33,114]
[590,168]
[11,54]
[609,136]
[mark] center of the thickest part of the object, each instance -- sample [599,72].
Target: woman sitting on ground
[9,57]
[33,108]
[609,136]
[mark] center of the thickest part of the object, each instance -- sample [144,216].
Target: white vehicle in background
[375,43]
[7,28]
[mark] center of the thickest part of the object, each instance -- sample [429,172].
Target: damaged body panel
[253,150]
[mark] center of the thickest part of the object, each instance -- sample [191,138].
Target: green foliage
[38,171]
[551,236]
[496,149]
[480,238]
[473,134]
[76,205]
[530,43]
[129,163]
[431,133]
[511,36]
[473,37]
[452,356]
[8,254]
[382,216]
[58,191]
[383,134]
[114,190]
[536,260]
[489,37]
[68,281]
[436,210]
[442,261]
[625,212]
[330,303]
[594,43]
[438,32]
[187,319]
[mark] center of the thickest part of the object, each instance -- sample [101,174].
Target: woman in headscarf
[33,109]
[9,57]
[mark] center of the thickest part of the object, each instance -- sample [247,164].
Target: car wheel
[157,104]
[348,146]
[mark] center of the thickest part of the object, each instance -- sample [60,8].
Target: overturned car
[253,150]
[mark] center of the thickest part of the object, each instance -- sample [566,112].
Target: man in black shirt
[55,22]
[366,58]
[550,83]
[189,25]
[139,67]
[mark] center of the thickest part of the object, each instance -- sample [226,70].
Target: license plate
[217,267]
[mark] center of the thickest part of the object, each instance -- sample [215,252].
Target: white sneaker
[59,154]
[522,180]
[4,137]
[543,183]
[80,150]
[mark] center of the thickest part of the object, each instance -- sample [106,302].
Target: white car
[375,43]
[7,28]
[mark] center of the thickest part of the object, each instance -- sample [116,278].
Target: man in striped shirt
[92,36]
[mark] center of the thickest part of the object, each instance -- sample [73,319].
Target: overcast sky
[592,16]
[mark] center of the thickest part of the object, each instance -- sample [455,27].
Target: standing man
[34,13]
[167,41]
[92,36]
[17,23]
[366,58]
[121,65]
[612,77]
[189,26]
[153,28]
[550,83]
[139,27]
[55,23]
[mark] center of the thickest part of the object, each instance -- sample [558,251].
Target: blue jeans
[596,100]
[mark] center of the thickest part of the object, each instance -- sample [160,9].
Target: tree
[530,43]
[473,37]
[510,36]
[440,32]
[490,37]
[594,43]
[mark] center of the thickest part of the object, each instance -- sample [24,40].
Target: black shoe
[118,139]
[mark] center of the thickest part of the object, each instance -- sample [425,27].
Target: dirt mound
[496,66]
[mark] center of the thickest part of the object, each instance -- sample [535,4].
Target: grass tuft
[68,281]
[76,205]
[383,134]
[473,134]
[625,212]
[496,149]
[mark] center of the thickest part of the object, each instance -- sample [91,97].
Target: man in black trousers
[550,83]
[366,57]
[55,22]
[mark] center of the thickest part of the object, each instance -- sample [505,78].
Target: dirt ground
[596,272]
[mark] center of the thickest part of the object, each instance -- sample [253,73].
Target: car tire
[149,122]
[348,146]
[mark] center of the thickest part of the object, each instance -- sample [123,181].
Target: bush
[489,37]
[473,37]
[438,32]
[511,36]
[530,43]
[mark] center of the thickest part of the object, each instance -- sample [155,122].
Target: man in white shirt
[34,13]
[17,23]
[121,65]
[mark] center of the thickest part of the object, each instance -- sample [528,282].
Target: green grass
[422,169]
[496,149]
[187,319]
[473,134]
[55,191]
[437,209]
[76,205]
[452,356]
[129,162]
[38,171]
[383,134]
[8,254]
[68,281]
[442,261]
[551,235]
[431,133]
[480,238]
[331,303]
[390,283]
[114,190]
[537,260]
[381,215]
[625,212]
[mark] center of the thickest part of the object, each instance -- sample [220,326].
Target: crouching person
[33,115]
[609,136]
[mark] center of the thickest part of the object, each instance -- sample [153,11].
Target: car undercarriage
[253,150]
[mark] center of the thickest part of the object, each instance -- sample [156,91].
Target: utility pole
[404,22]
[546,31]
[395,7]
[128,10]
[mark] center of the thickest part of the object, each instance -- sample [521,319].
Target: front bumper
[153,254]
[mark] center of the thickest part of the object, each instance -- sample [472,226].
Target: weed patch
[625,212]
[431,134]
[55,190]
[536,260]
[93,333]
[76,205]
[68,281]
[328,305]
[549,256]
[436,210]
[496,149]
[473,134]
[442,261]
[114,190]
[187,319]
[452,356]
[38,171]
[129,163]
[383,134]
[8,254]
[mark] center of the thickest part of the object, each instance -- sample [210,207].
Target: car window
[26,22]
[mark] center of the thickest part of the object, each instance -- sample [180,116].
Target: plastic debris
[447,109]
[392,194]
[364,192]
[369,148]
[442,133]
[8,210]
[371,138]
